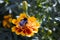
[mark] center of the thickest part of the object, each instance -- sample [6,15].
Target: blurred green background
[46,11]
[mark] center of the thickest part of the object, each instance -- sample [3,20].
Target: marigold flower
[5,22]
[25,26]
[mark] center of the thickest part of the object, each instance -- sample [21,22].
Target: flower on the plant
[25,26]
[6,21]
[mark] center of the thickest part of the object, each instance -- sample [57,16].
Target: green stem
[25,7]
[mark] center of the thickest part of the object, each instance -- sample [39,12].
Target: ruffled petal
[14,29]
[10,19]
[35,30]
[7,16]
[18,31]
[8,25]
[32,19]
[37,24]
[22,16]
[28,32]
[14,21]
[30,35]
[4,23]
[23,34]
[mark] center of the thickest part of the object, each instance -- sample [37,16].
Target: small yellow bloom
[25,26]
[6,21]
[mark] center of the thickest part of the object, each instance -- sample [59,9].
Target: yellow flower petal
[23,34]
[14,29]
[35,30]
[14,21]
[23,15]
[29,32]
[4,23]
[8,25]
[7,16]
[18,31]
[30,35]
[10,19]
[37,24]
[32,19]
